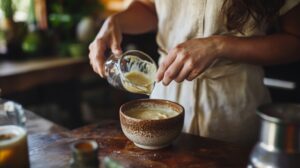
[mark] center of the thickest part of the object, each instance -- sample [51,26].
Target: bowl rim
[155,100]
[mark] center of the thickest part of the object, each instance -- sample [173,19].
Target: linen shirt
[221,102]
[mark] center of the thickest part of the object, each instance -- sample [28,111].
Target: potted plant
[7,24]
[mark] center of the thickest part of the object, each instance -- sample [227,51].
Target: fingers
[193,75]
[97,50]
[109,36]
[165,64]
[184,73]
[115,36]
[115,45]
[197,70]
[178,66]
[96,56]
[172,71]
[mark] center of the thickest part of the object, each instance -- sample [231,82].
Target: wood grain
[187,151]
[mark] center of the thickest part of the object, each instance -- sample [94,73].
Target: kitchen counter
[51,149]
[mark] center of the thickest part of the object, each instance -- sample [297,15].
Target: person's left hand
[188,60]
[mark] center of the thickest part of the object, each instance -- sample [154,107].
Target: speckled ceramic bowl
[150,133]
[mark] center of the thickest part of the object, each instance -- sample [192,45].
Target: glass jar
[13,135]
[133,71]
[84,154]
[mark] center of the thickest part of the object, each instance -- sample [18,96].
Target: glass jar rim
[124,55]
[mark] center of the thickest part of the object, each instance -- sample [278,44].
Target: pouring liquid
[134,72]
[138,82]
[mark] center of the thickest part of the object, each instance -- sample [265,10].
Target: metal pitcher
[279,143]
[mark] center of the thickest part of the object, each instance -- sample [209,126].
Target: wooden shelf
[22,75]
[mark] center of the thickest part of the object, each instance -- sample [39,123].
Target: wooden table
[51,150]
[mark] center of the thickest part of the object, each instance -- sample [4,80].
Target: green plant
[67,19]
[7,8]
[2,35]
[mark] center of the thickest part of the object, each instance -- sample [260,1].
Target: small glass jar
[84,154]
[133,71]
[13,135]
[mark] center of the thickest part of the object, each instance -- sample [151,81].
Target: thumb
[116,46]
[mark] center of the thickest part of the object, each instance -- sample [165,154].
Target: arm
[278,48]
[189,59]
[139,17]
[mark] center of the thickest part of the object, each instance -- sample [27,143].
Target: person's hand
[109,36]
[188,60]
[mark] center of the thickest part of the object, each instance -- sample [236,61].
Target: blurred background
[44,60]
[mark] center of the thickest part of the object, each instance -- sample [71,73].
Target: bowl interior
[151,109]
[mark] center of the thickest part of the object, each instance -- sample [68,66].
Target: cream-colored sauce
[151,113]
[138,82]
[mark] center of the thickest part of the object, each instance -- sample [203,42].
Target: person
[211,53]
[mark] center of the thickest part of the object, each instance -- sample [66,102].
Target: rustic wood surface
[38,125]
[187,151]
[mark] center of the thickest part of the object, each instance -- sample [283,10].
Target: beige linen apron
[222,101]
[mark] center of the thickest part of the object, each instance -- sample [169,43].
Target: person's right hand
[109,37]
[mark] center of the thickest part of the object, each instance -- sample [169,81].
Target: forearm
[264,50]
[139,17]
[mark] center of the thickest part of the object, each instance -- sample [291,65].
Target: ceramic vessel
[148,133]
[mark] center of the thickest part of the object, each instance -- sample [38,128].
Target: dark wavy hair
[238,12]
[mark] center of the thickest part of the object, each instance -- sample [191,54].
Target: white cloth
[221,103]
